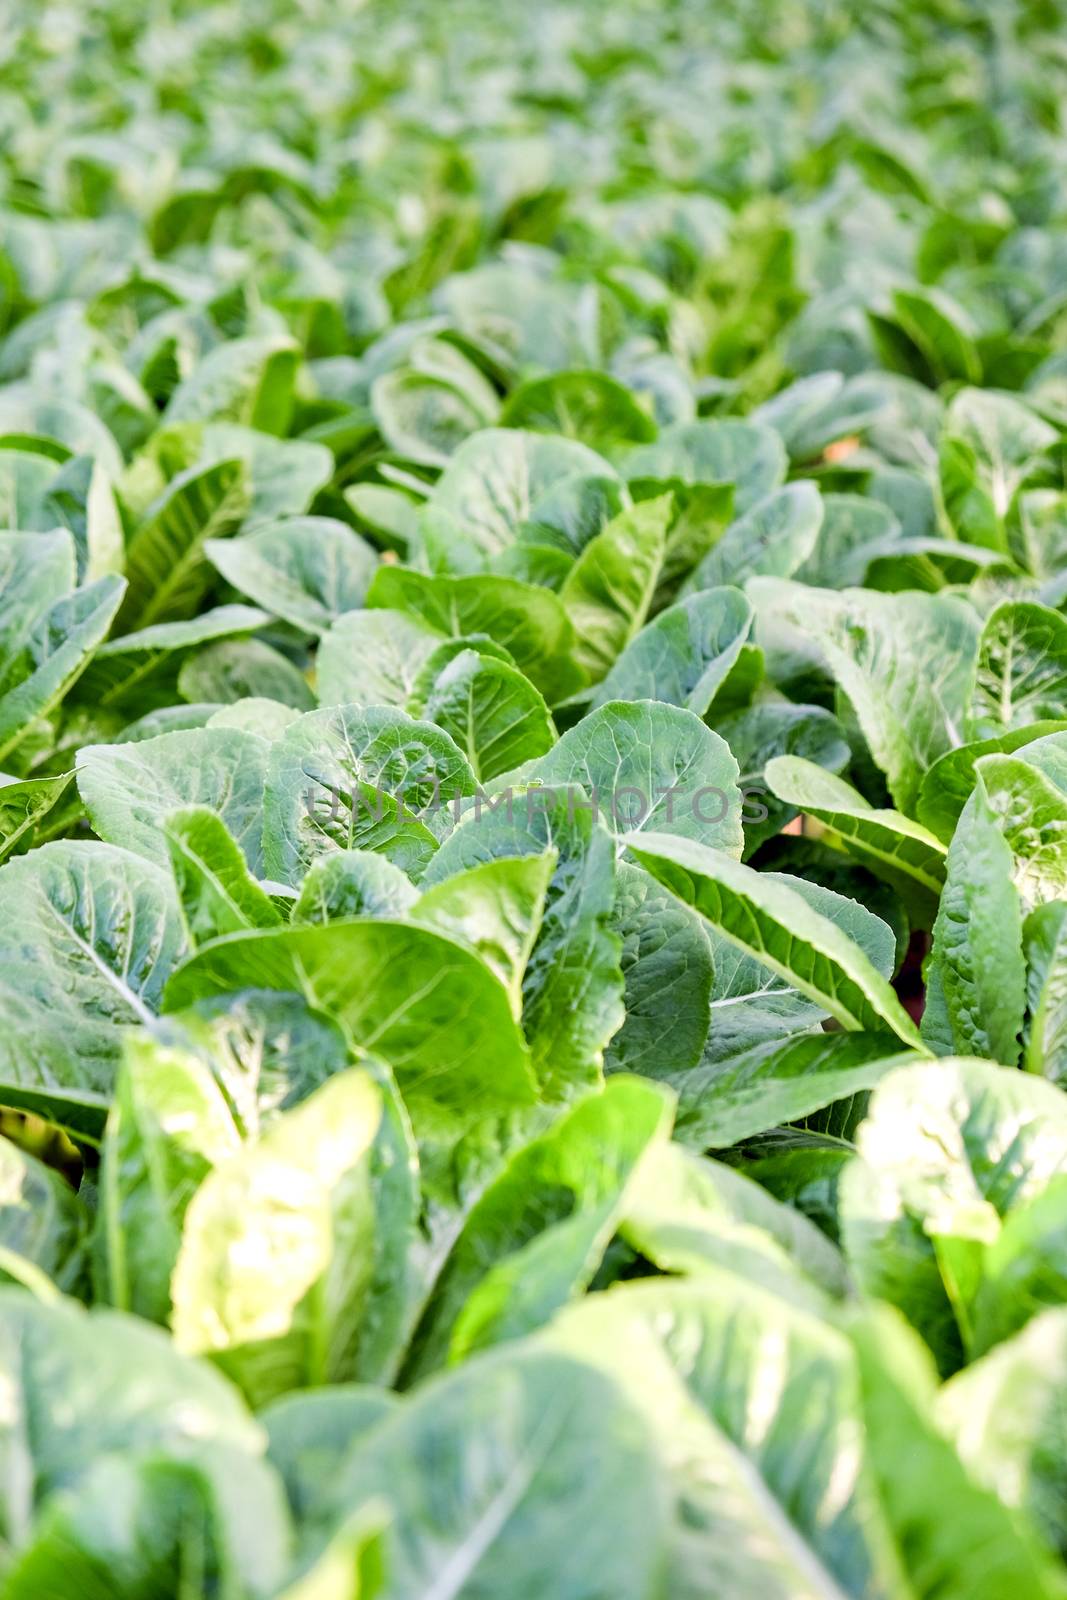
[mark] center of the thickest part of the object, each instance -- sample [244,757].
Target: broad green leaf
[948,1149]
[23,804]
[608,591]
[90,934]
[503,479]
[130,789]
[58,649]
[497,908]
[667,970]
[572,991]
[528,621]
[853,530]
[1045,950]
[586,405]
[168,1126]
[353,883]
[306,570]
[248,381]
[166,568]
[685,1214]
[428,1006]
[949,783]
[140,670]
[977,941]
[242,669]
[267,1050]
[216,891]
[1005,1416]
[1025,1269]
[738,1386]
[1031,811]
[309,1434]
[348,778]
[372,658]
[749,456]
[958,1540]
[774,537]
[142,1522]
[1021,676]
[43,1222]
[536,1235]
[685,655]
[296,1202]
[647,765]
[494,714]
[425,419]
[80,498]
[905,662]
[525,1473]
[175,1407]
[772,922]
[991,442]
[763,734]
[901,852]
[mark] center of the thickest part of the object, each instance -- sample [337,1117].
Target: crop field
[533,800]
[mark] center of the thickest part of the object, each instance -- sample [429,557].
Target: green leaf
[977,941]
[140,670]
[958,1540]
[57,651]
[166,568]
[494,714]
[372,658]
[608,591]
[90,934]
[758,737]
[306,570]
[295,1201]
[248,381]
[1045,950]
[685,655]
[646,765]
[1004,1415]
[216,891]
[535,1237]
[667,970]
[923,1202]
[497,908]
[349,778]
[23,804]
[175,1407]
[428,1006]
[168,1126]
[992,441]
[745,454]
[528,621]
[523,1465]
[736,1383]
[572,991]
[776,925]
[586,405]
[905,662]
[900,852]
[501,480]
[231,670]
[773,537]
[43,1221]
[949,783]
[1021,677]
[130,789]
[353,883]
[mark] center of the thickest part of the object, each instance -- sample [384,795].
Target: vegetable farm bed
[533,733]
